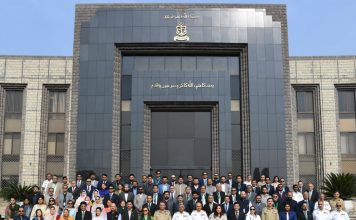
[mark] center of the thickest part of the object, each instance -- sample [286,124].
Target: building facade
[181,88]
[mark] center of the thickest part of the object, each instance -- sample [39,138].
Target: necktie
[149,206]
[226,207]
[237,215]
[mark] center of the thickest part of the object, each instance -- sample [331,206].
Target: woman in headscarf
[99,214]
[98,203]
[80,199]
[66,215]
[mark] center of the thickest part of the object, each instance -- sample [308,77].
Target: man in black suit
[239,185]
[236,214]
[191,205]
[234,197]
[310,204]
[176,204]
[126,195]
[204,179]
[129,213]
[74,190]
[150,205]
[244,203]
[203,197]
[113,214]
[83,214]
[289,200]
[313,194]
[104,180]
[218,195]
[210,206]
[79,182]
[156,196]
[226,205]
[304,214]
[89,189]
[112,196]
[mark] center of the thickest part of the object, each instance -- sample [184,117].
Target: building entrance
[181,142]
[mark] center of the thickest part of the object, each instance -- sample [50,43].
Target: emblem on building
[181,33]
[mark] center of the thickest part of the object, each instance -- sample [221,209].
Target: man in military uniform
[181,214]
[321,213]
[339,214]
[269,212]
[199,213]
[162,213]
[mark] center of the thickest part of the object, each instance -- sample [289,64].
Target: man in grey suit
[258,205]
[64,197]
[140,199]
[250,194]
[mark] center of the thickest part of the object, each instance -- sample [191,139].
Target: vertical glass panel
[189,63]
[127,65]
[343,143]
[125,106]
[56,102]
[172,63]
[60,145]
[305,102]
[13,103]
[310,143]
[235,105]
[126,82]
[301,144]
[234,64]
[51,148]
[204,64]
[7,144]
[346,101]
[16,144]
[220,64]
[235,87]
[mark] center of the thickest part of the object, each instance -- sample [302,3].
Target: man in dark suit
[219,195]
[156,196]
[176,203]
[191,205]
[112,196]
[210,206]
[148,187]
[313,194]
[234,197]
[304,214]
[129,213]
[236,214]
[113,214]
[83,214]
[204,179]
[281,194]
[244,203]
[89,189]
[293,204]
[310,204]
[150,205]
[284,187]
[126,195]
[74,190]
[216,179]
[21,214]
[104,180]
[79,182]
[226,205]
[230,180]
[239,185]
[203,197]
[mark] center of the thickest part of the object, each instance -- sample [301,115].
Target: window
[12,136]
[346,101]
[305,102]
[55,144]
[306,143]
[12,143]
[348,143]
[56,102]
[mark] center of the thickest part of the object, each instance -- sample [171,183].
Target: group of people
[176,198]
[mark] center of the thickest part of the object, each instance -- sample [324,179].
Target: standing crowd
[156,197]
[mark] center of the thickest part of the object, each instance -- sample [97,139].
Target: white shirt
[326,206]
[201,215]
[251,217]
[339,215]
[223,187]
[45,185]
[126,195]
[297,196]
[181,216]
[321,215]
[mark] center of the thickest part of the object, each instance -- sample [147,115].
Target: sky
[46,27]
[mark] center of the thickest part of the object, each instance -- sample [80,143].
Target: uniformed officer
[321,213]
[269,212]
[181,214]
[162,213]
[339,214]
[199,213]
